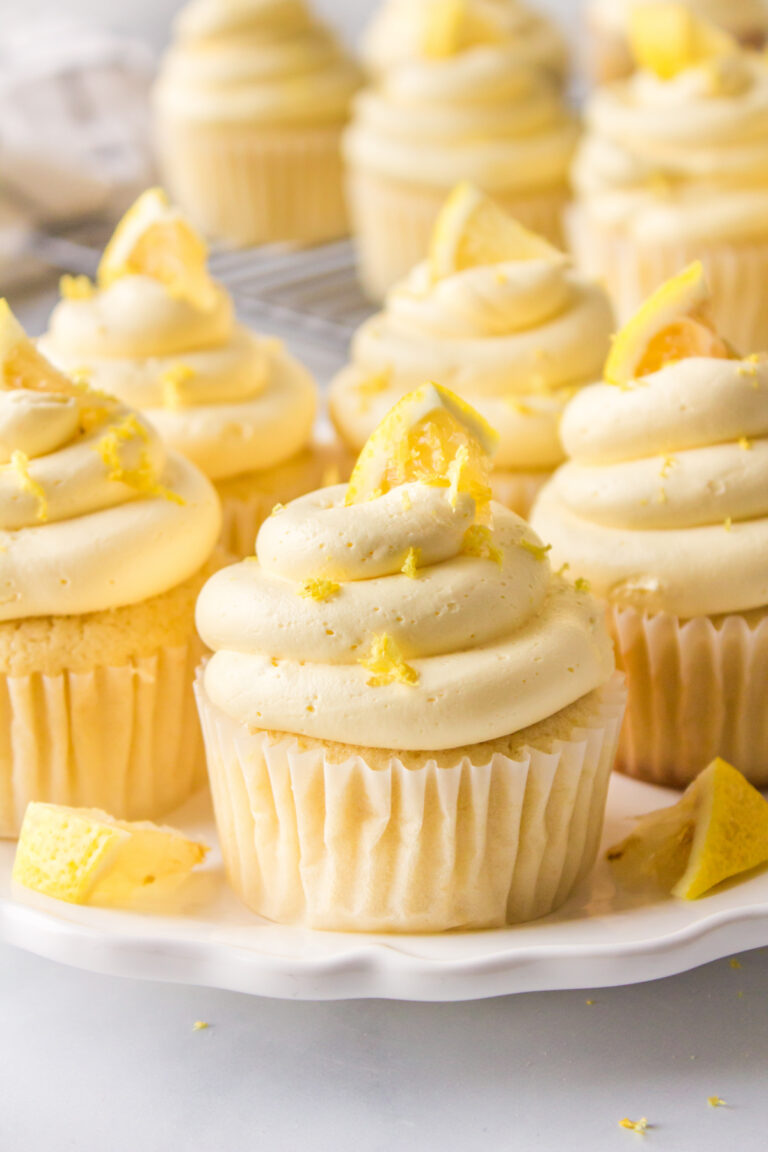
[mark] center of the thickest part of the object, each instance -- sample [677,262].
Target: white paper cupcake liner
[392,223]
[697,689]
[347,847]
[125,739]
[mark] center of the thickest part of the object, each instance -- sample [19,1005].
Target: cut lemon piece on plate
[154,239]
[22,366]
[84,856]
[717,830]
[473,231]
[666,39]
[673,324]
[454,26]
[431,436]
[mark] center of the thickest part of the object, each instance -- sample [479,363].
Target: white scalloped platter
[602,937]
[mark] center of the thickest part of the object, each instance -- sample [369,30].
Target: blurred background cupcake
[250,104]
[496,314]
[674,168]
[460,92]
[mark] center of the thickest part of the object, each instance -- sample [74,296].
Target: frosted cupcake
[674,168]
[250,104]
[104,539]
[409,720]
[496,314]
[608,29]
[663,509]
[461,107]
[157,332]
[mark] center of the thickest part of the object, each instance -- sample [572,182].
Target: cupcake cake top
[403,31]
[93,513]
[269,61]
[160,334]
[679,151]
[499,316]
[664,502]
[405,611]
[741,17]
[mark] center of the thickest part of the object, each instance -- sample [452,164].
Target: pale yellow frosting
[741,17]
[683,159]
[93,514]
[664,504]
[514,339]
[492,648]
[396,34]
[229,401]
[258,61]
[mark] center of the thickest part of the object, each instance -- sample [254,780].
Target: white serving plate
[602,937]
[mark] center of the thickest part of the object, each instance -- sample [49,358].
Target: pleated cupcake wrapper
[125,739]
[393,222]
[248,186]
[697,689]
[346,847]
[631,271]
[518,490]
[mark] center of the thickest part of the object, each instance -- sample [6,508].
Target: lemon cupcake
[496,314]
[663,509]
[249,107]
[157,332]
[674,168]
[104,541]
[608,29]
[460,106]
[409,720]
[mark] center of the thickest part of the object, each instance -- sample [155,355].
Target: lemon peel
[85,856]
[538,551]
[172,382]
[454,26]
[20,464]
[319,589]
[141,478]
[717,830]
[638,1126]
[478,541]
[76,287]
[385,661]
[22,366]
[716,1102]
[667,39]
[410,566]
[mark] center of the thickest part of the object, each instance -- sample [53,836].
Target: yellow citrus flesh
[433,437]
[717,830]
[672,325]
[473,231]
[84,856]
[22,366]
[453,26]
[667,39]
[153,239]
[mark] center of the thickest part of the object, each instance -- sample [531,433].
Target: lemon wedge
[718,829]
[666,39]
[473,231]
[454,26]
[154,239]
[22,366]
[430,436]
[84,856]
[673,324]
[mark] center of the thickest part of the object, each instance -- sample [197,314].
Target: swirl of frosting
[664,503]
[396,34]
[479,116]
[741,17]
[681,159]
[229,401]
[93,514]
[255,60]
[514,339]
[491,647]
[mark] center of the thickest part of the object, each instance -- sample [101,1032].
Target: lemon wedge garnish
[666,39]
[718,829]
[454,26]
[22,366]
[154,239]
[674,324]
[473,231]
[84,856]
[430,436]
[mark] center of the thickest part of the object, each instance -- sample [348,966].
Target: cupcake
[674,168]
[409,719]
[608,29]
[104,542]
[157,332]
[459,106]
[249,108]
[663,509]
[497,315]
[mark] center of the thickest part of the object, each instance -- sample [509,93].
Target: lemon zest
[638,1126]
[172,382]
[76,288]
[141,478]
[478,541]
[200,1025]
[319,589]
[385,662]
[411,563]
[20,465]
[745,444]
[716,1102]
[538,551]
[582,585]
[277,509]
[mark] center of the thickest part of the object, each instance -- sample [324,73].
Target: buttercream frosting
[664,502]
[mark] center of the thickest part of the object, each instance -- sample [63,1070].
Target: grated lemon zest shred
[319,589]
[385,662]
[141,478]
[411,564]
[20,465]
[478,541]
